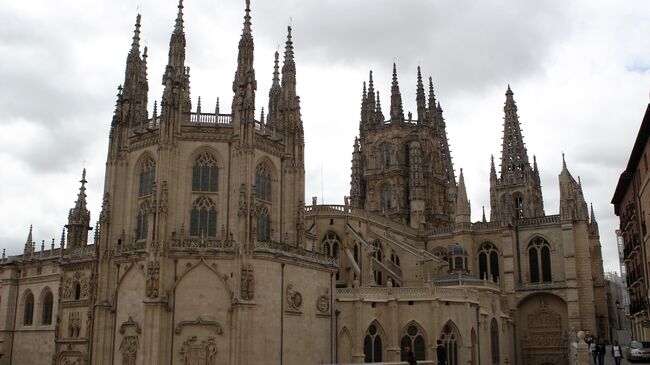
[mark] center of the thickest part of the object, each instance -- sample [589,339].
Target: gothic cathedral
[205,252]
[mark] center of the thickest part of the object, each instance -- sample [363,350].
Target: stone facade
[205,253]
[632,204]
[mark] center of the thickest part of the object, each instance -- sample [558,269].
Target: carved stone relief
[74,324]
[247,282]
[69,286]
[130,344]
[294,299]
[153,278]
[195,352]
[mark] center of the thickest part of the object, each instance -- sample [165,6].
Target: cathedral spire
[245,84]
[514,157]
[396,110]
[356,176]
[379,115]
[274,95]
[371,102]
[432,103]
[484,220]
[79,218]
[593,225]
[289,66]
[463,209]
[421,99]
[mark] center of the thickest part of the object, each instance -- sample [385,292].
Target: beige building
[205,252]
[632,205]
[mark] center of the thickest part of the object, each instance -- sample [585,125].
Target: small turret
[79,218]
[593,225]
[356,177]
[29,243]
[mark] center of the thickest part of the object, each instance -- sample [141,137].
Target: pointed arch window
[494,341]
[28,310]
[331,244]
[263,225]
[46,313]
[519,205]
[441,253]
[205,173]
[488,262]
[142,224]
[384,154]
[413,339]
[449,339]
[372,345]
[386,197]
[203,218]
[263,183]
[394,258]
[147,177]
[539,261]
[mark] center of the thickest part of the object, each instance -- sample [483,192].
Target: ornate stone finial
[155,111]
[198,106]
[216,109]
[4,254]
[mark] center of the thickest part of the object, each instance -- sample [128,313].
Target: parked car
[637,351]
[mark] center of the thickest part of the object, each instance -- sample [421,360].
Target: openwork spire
[274,94]
[514,157]
[420,99]
[135,45]
[396,110]
[289,66]
[245,84]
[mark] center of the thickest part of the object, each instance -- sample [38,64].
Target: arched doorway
[542,328]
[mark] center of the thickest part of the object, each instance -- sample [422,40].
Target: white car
[638,351]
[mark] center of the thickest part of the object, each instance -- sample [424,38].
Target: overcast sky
[580,71]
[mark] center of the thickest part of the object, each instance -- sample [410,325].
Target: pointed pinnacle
[247,18]
[179,18]
[371,83]
[394,74]
[276,69]
[135,46]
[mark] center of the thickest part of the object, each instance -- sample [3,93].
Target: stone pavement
[609,360]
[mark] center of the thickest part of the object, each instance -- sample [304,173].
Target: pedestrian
[410,356]
[592,351]
[617,352]
[441,353]
[601,350]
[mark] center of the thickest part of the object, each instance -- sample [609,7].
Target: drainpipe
[282,315]
[478,336]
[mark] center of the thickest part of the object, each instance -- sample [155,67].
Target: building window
[142,225]
[77,291]
[384,154]
[394,258]
[263,225]
[488,262]
[539,257]
[519,206]
[441,253]
[147,177]
[203,218]
[263,183]
[414,340]
[386,197]
[46,315]
[372,347]
[205,173]
[28,310]
[449,340]
[331,245]
[494,341]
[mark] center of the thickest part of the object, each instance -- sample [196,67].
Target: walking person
[592,351]
[617,352]
[410,356]
[601,350]
[441,353]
